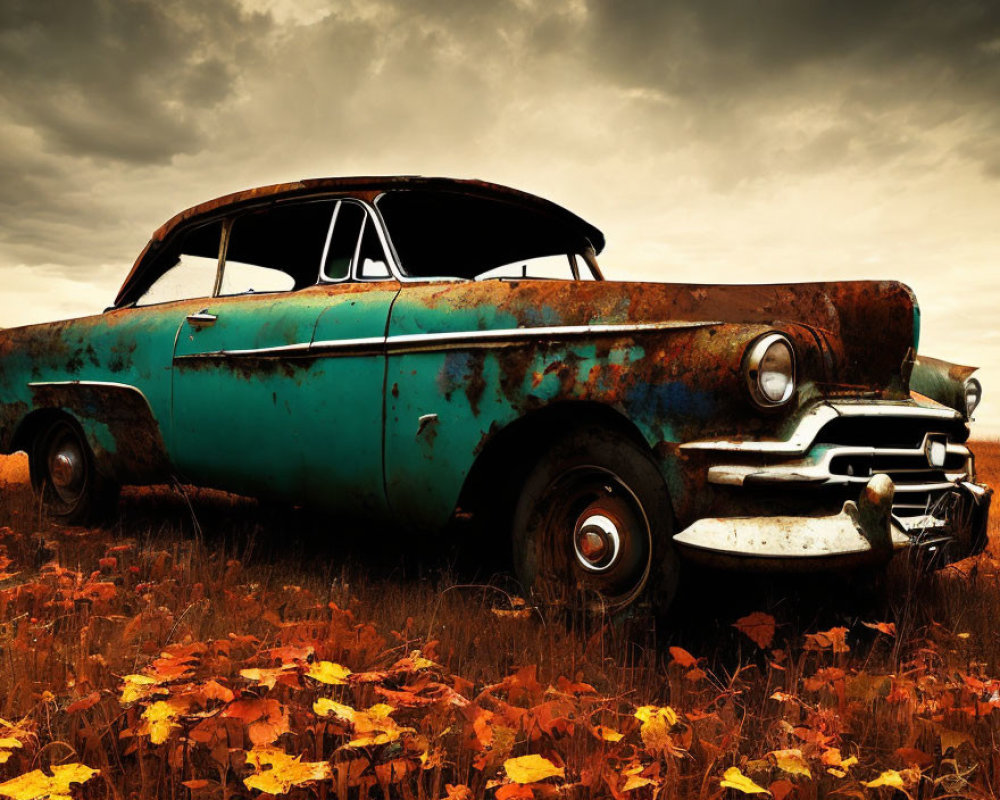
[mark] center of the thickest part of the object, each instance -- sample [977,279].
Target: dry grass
[222,585]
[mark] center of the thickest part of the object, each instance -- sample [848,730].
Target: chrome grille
[899,451]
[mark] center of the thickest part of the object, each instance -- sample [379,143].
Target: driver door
[256,408]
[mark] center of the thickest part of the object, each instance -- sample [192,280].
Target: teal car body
[407,349]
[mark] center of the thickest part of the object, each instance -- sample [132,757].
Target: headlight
[973,394]
[770,370]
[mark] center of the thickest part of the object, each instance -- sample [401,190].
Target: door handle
[202,319]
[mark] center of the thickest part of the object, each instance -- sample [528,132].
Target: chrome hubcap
[596,542]
[66,467]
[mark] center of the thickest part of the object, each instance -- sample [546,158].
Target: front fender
[941,381]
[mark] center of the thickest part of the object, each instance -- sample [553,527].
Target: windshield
[451,235]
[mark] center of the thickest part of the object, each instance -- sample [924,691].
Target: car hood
[861,335]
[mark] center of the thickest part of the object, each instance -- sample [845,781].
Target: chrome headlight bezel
[753,368]
[973,389]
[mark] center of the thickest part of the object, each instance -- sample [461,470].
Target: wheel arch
[522,441]
[115,419]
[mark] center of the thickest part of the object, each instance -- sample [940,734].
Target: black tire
[63,475]
[592,527]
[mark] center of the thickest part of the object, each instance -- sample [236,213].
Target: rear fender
[116,420]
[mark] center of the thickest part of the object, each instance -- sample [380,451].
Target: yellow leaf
[325,707]
[531,769]
[734,779]
[888,778]
[265,677]
[276,772]
[647,713]
[160,721]
[7,746]
[637,782]
[656,725]
[328,672]
[791,761]
[371,727]
[138,687]
[419,662]
[35,785]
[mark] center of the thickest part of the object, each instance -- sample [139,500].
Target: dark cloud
[126,80]
[731,65]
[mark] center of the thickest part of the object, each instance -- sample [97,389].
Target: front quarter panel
[447,398]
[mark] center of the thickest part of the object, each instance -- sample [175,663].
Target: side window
[342,241]
[557,267]
[277,249]
[372,264]
[188,267]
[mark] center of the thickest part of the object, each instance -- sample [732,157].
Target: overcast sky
[712,140]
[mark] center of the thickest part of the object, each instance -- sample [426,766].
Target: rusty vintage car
[408,350]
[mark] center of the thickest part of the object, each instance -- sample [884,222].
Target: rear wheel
[63,475]
[593,524]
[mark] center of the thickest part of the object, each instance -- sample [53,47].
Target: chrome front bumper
[864,533]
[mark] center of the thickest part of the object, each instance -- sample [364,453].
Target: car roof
[376,185]
[371,186]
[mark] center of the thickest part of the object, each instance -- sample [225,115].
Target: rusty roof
[374,185]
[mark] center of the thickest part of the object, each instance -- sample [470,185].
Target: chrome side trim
[103,384]
[504,337]
[419,342]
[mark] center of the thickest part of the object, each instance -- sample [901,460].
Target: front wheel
[63,475]
[593,524]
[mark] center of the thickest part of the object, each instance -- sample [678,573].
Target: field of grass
[206,647]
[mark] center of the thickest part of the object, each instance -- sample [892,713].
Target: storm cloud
[718,140]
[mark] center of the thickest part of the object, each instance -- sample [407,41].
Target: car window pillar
[227,227]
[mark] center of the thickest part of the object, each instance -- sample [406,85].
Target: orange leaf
[84,703]
[266,719]
[514,791]
[781,789]
[683,657]
[834,639]
[888,628]
[758,627]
